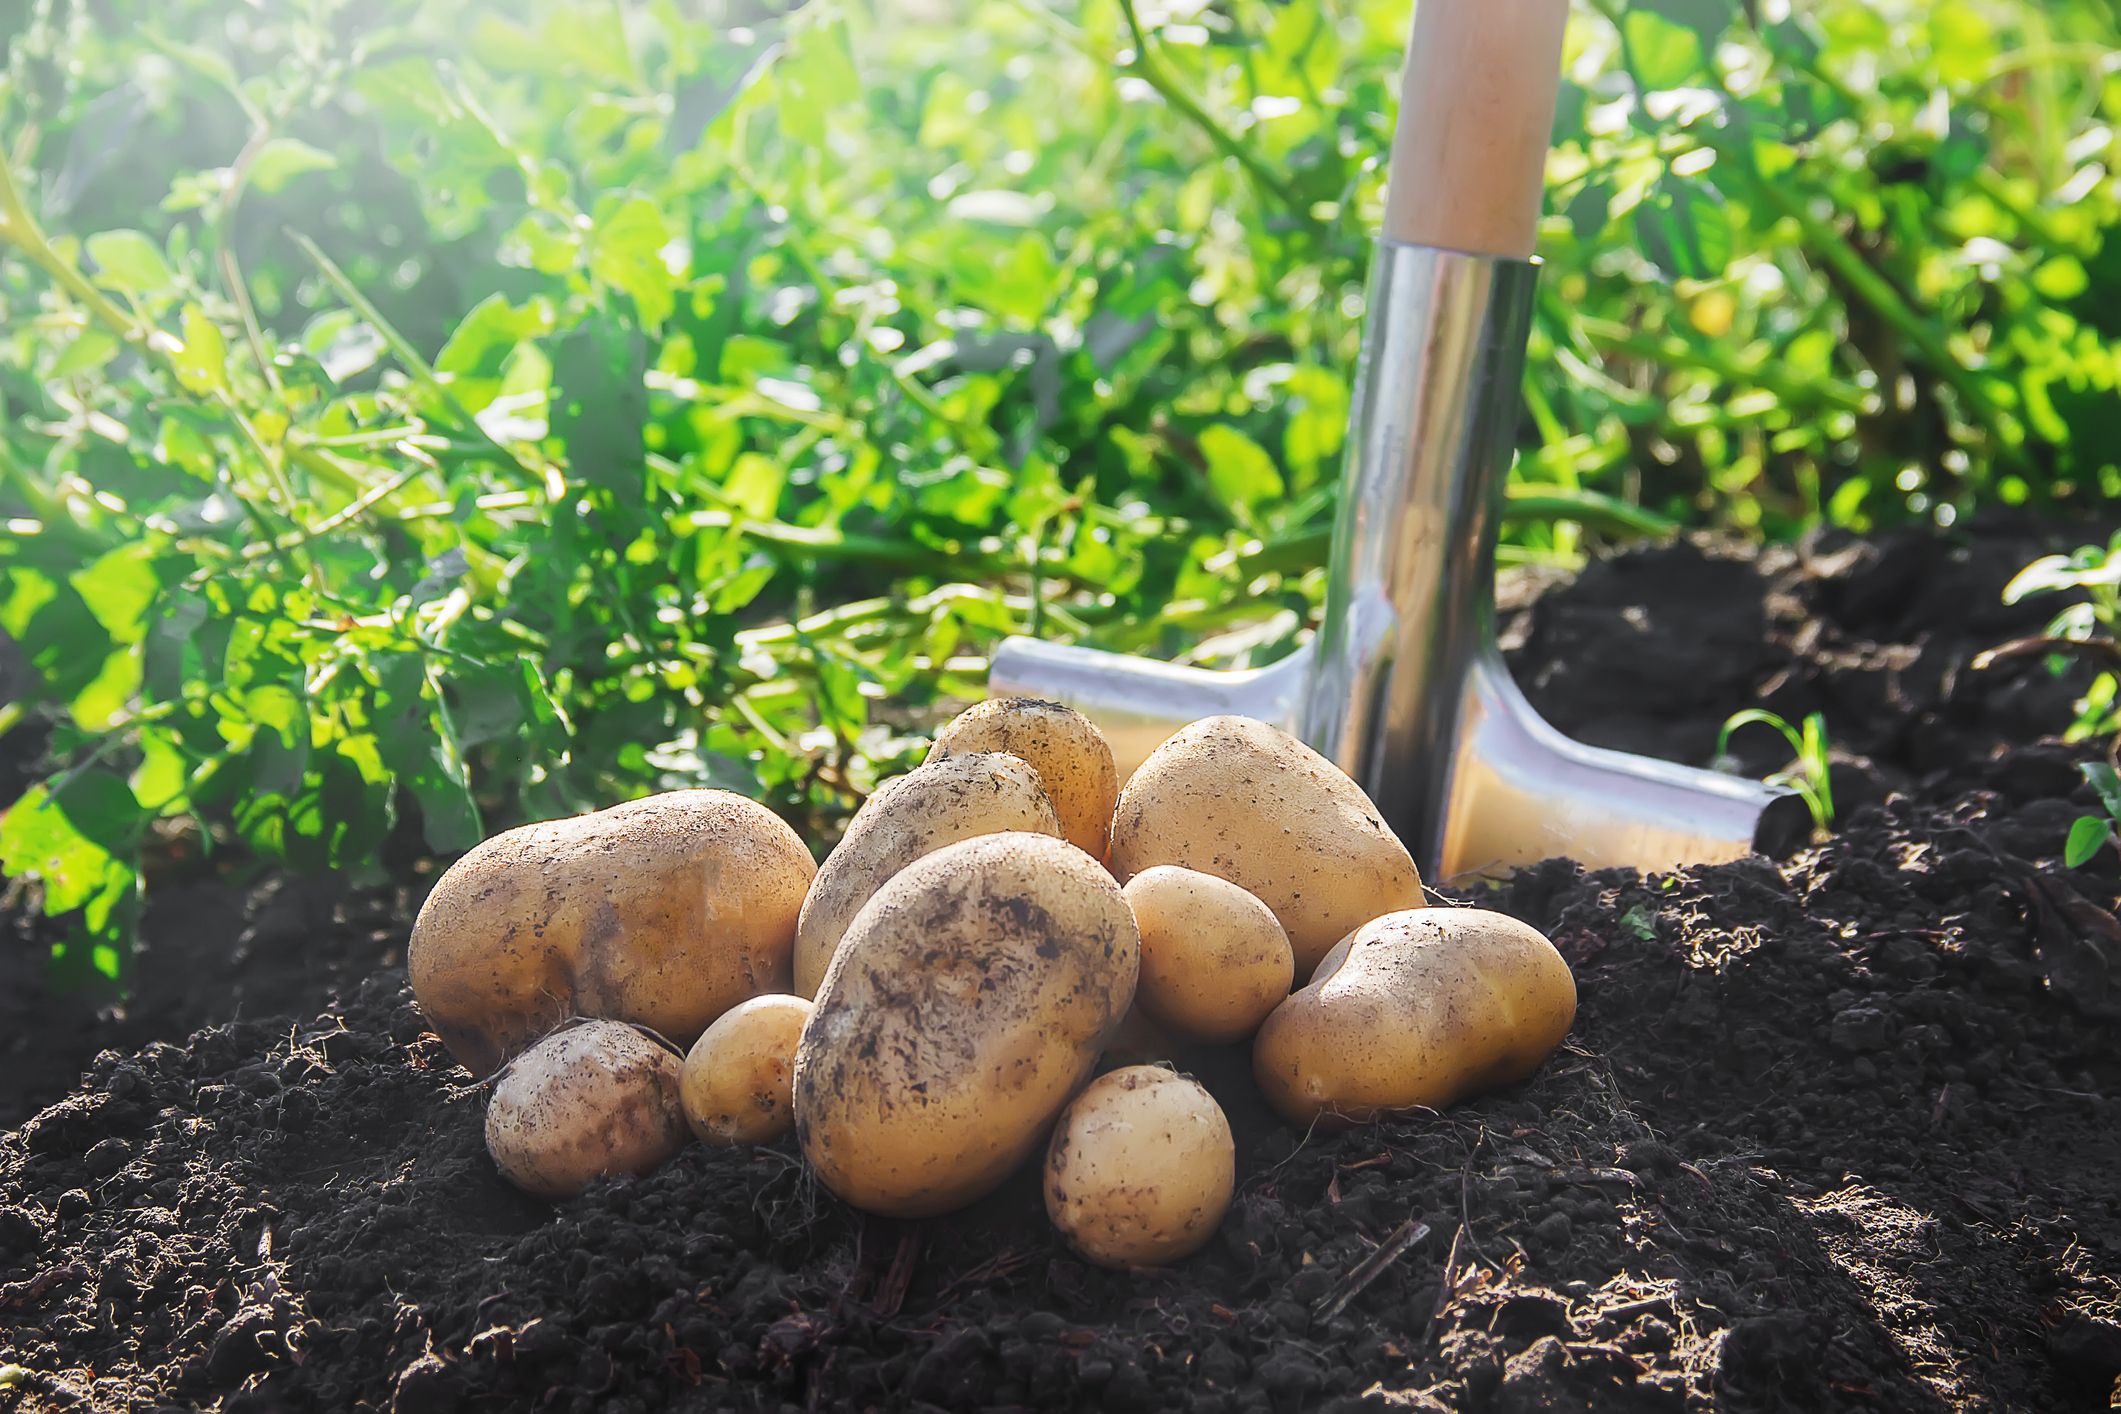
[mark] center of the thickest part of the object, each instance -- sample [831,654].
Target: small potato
[592,1099]
[1236,798]
[1214,958]
[938,803]
[1140,1169]
[1070,754]
[740,1075]
[970,998]
[1419,1008]
[666,911]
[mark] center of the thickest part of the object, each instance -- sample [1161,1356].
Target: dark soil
[1841,1131]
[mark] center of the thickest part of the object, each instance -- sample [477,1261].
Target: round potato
[740,1075]
[1141,1168]
[1419,1008]
[588,1100]
[1236,798]
[969,999]
[1215,960]
[1071,756]
[938,803]
[666,911]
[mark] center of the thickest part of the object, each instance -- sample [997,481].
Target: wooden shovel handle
[1475,115]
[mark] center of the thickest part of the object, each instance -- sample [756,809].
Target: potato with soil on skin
[666,911]
[588,1100]
[1141,1168]
[969,1000]
[740,1075]
[1215,960]
[937,803]
[1419,1008]
[1238,799]
[1070,755]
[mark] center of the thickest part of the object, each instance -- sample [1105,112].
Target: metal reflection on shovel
[1402,686]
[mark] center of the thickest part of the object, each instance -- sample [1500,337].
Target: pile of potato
[930,1006]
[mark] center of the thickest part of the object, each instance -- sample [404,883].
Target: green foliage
[2090,627]
[2090,833]
[1811,761]
[480,413]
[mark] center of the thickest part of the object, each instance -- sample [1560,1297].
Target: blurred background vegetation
[414,417]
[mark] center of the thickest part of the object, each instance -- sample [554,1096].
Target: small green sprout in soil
[1807,773]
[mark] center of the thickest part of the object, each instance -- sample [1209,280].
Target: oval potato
[1070,755]
[665,911]
[969,999]
[1141,1168]
[588,1100]
[1418,1008]
[1215,960]
[739,1078]
[1238,799]
[937,803]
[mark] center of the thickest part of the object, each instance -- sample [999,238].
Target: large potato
[938,803]
[1071,756]
[593,1099]
[1215,960]
[665,912]
[968,1001]
[1235,798]
[1419,1008]
[1141,1168]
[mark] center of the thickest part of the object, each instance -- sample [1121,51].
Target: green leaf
[626,252]
[283,159]
[1708,19]
[1964,41]
[754,485]
[1684,229]
[2107,783]
[599,402]
[129,261]
[119,587]
[1667,55]
[2086,837]
[90,350]
[72,841]
[1239,469]
[202,360]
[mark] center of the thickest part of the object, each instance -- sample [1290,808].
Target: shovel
[1403,686]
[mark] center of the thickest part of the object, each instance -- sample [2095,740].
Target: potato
[1214,958]
[666,911]
[1419,1008]
[591,1099]
[1236,798]
[1140,1169]
[937,803]
[740,1075]
[1071,756]
[969,1000]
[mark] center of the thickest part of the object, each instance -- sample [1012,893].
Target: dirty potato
[665,911]
[1418,1008]
[1236,798]
[1215,960]
[740,1075]
[969,999]
[936,804]
[588,1100]
[1141,1168]
[1070,754]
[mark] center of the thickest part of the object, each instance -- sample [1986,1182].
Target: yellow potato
[938,803]
[969,1000]
[1141,1168]
[588,1100]
[666,912]
[1235,798]
[740,1075]
[1420,1008]
[1215,960]
[1070,754]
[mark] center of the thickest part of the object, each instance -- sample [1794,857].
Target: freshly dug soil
[1840,1131]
